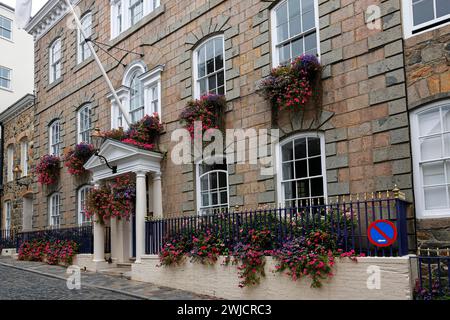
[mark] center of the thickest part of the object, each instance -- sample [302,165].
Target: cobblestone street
[22,280]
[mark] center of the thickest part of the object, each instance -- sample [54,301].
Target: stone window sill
[54,84]
[83,64]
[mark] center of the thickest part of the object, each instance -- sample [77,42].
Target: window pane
[295,26]
[297,47]
[435,198]
[213,181]
[447,144]
[212,83]
[289,190]
[308,21]
[222,180]
[288,171]
[433,174]
[205,199]
[218,44]
[303,189]
[288,152]
[423,11]
[282,32]
[446,117]
[313,147]
[447,169]
[202,62]
[301,169]
[209,58]
[294,8]
[300,148]
[430,122]
[317,187]
[431,148]
[310,42]
[224,197]
[315,167]
[442,8]
[204,183]
[282,14]
[214,198]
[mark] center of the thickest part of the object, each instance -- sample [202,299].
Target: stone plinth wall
[349,282]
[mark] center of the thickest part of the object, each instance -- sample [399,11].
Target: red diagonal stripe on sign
[384,235]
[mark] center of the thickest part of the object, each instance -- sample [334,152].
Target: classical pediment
[126,157]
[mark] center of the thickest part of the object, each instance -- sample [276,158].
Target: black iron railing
[348,221]
[432,277]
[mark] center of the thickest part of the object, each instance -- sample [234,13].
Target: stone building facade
[17,194]
[362,132]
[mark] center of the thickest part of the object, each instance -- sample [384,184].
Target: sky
[37,4]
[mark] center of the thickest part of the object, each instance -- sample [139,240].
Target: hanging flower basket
[48,170]
[112,200]
[76,158]
[294,86]
[142,134]
[209,110]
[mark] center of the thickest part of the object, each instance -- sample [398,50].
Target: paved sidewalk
[121,286]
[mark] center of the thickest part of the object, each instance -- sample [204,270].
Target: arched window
[83,49]
[294,30]
[209,67]
[430,127]
[54,210]
[212,186]
[24,149]
[54,135]
[140,94]
[302,178]
[83,193]
[10,163]
[136,98]
[84,124]
[55,60]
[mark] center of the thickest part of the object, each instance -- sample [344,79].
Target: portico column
[99,238]
[115,240]
[157,196]
[141,212]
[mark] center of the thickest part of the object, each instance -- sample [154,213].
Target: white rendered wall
[17,55]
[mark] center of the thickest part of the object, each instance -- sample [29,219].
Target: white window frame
[8,216]
[83,192]
[24,157]
[54,139]
[273,32]
[10,163]
[279,163]
[121,8]
[12,29]
[200,207]
[54,210]
[408,21]
[421,212]
[149,80]
[80,128]
[195,65]
[55,64]
[8,80]
[82,54]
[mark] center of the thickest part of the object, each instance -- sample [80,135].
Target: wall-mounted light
[18,176]
[97,140]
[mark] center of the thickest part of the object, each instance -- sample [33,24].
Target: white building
[16,60]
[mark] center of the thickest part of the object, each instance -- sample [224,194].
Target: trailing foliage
[142,134]
[76,158]
[292,86]
[208,110]
[112,200]
[52,253]
[48,170]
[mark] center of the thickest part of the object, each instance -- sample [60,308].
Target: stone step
[124,265]
[118,272]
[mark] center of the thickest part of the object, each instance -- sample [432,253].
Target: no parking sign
[382,233]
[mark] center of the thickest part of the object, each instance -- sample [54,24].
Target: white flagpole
[102,69]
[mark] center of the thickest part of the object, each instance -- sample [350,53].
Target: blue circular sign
[382,233]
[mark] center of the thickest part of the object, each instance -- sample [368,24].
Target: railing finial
[398,194]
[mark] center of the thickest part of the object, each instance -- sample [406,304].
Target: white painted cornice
[46,18]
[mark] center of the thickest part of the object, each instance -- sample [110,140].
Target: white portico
[144,164]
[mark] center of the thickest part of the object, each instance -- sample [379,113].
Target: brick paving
[22,280]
